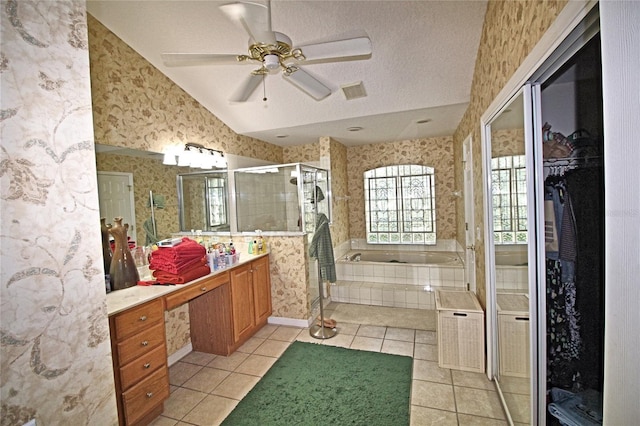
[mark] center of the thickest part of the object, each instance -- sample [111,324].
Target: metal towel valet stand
[320,331]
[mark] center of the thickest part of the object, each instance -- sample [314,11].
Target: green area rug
[313,384]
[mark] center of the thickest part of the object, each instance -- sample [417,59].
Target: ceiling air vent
[354,91]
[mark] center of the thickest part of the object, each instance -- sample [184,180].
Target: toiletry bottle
[254,247]
[250,247]
[232,249]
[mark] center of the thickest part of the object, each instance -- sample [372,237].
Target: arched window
[509,193]
[400,205]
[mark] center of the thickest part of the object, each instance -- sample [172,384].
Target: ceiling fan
[275,52]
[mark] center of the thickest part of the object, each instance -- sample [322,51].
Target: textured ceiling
[421,67]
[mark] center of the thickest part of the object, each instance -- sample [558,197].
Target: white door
[115,192]
[470,235]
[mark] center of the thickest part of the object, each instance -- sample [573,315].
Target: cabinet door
[242,304]
[261,289]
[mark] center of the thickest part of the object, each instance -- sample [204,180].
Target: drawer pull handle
[458,314]
[147,365]
[203,289]
[522,319]
[143,318]
[145,343]
[149,394]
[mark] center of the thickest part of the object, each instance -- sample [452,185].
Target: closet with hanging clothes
[574,238]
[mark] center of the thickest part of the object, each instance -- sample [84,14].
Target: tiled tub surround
[400,285]
[512,272]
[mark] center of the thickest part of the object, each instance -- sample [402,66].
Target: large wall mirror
[509,269]
[144,177]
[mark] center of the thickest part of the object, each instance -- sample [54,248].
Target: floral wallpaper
[337,154]
[309,153]
[433,152]
[177,328]
[148,174]
[56,354]
[288,263]
[507,142]
[136,106]
[511,29]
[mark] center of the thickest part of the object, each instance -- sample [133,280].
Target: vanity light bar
[196,156]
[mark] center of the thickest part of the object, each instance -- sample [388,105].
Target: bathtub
[403,279]
[512,272]
[511,258]
[409,257]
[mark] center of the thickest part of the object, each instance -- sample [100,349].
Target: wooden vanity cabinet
[139,354]
[226,317]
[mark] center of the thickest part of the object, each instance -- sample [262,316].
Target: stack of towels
[179,264]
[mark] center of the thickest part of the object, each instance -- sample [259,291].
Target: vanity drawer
[141,343]
[145,396]
[142,367]
[195,290]
[139,318]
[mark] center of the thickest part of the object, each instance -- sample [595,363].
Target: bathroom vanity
[226,308]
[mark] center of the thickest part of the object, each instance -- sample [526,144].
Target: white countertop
[121,300]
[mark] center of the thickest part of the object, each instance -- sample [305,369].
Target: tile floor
[205,388]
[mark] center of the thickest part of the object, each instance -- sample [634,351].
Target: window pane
[400,204]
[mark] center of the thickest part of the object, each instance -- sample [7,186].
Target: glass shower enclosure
[283,198]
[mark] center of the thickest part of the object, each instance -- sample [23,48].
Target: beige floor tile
[371,331]
[230,362]
[397,347]
[403,334]
[181,402]
[479,402]
[206,379]
[273,348]
[256,365]
[211,411]
[429,371]
[198,358]
[163,421]
[468,420]
[266,331]
[427,337]
[341,340]
[472,380]
[366,344]
[423,416]
[250,345]
[236,386]
[286,334]
[432,395]
[426,352]
[180,372]
[347,328]
[304,336]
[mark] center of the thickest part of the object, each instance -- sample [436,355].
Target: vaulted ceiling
[417,79]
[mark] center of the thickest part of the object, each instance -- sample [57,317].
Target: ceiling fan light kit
[275,52]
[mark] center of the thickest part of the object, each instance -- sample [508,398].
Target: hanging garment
[322,249]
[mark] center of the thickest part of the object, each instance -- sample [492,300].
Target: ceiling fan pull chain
[264,89]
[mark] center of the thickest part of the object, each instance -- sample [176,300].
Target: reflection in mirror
[203,201]
[149,175]
[509,226]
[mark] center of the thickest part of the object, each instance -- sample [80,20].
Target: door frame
[132,230]
[469,219]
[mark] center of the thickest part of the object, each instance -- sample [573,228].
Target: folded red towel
[186,249]
[165,277]
[176,267]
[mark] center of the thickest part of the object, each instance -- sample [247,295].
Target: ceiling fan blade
[254,18]
[346,49]
[243,92]
[188,59]
[308,84]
